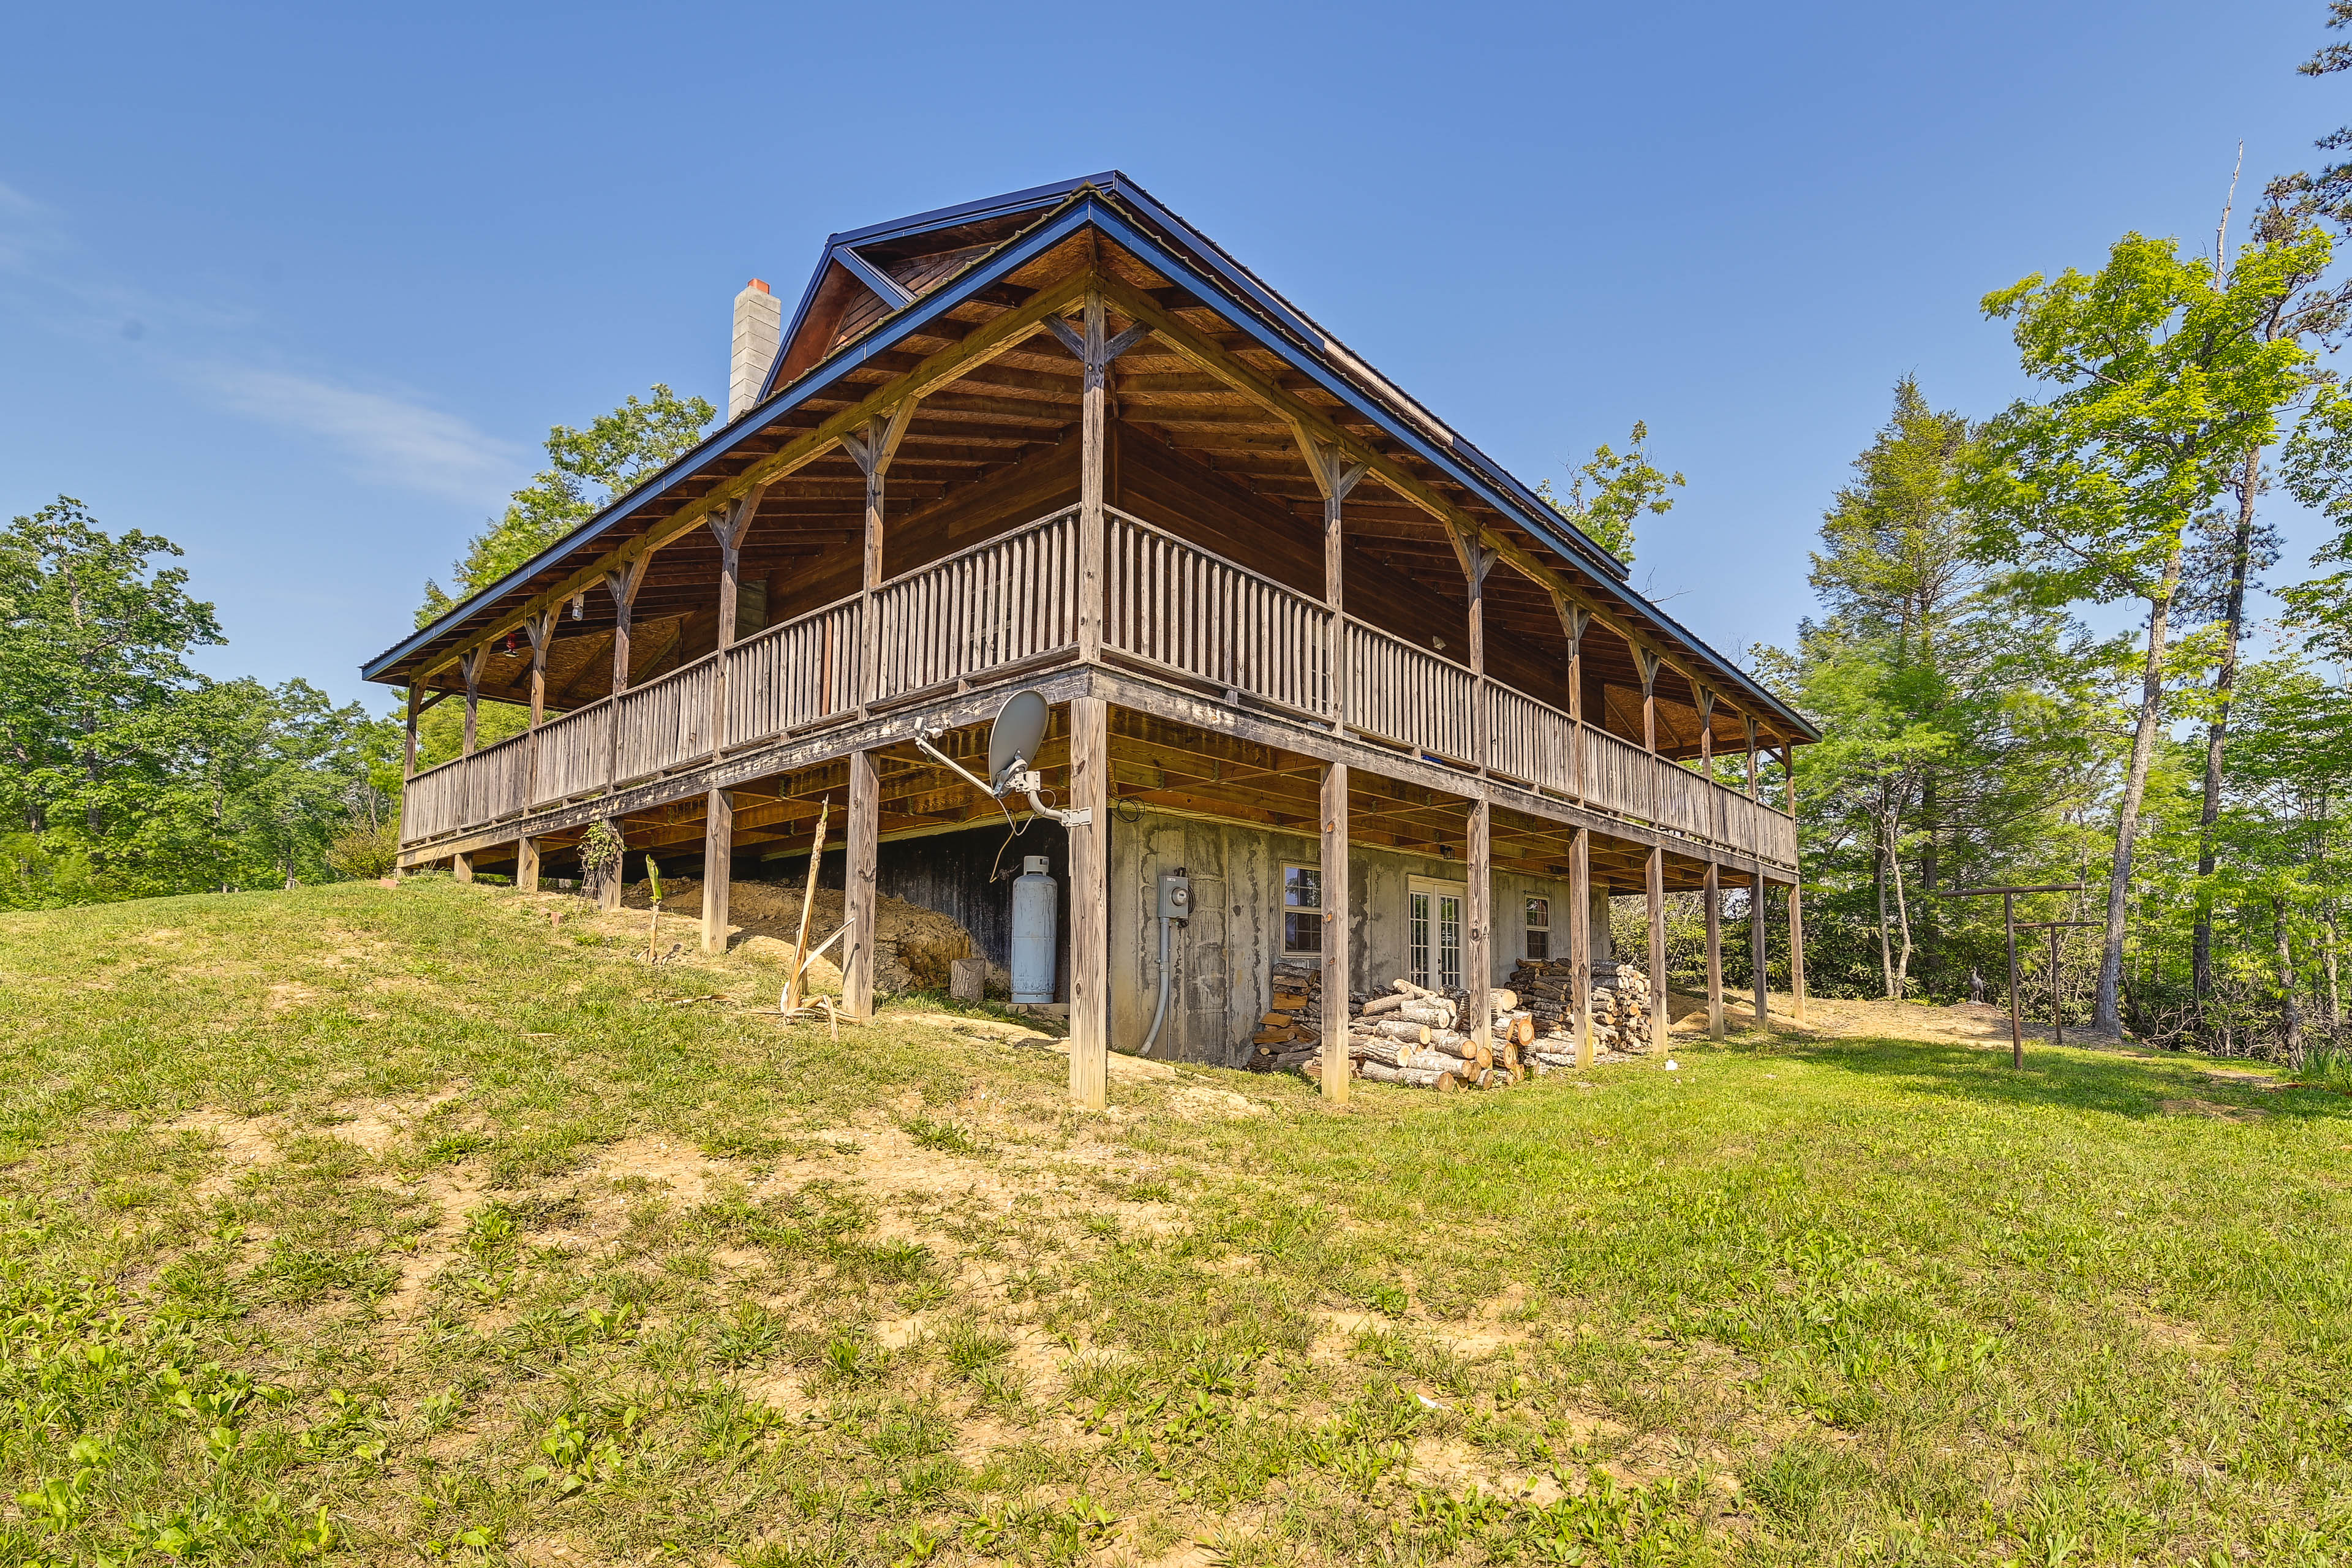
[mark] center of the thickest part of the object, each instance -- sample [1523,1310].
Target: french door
[1436,933]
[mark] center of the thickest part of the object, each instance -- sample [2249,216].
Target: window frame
[1284,909]
[1529,928]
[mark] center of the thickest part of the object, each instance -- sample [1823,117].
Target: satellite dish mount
[1013,741]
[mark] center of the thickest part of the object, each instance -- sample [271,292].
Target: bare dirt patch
[2211,1109]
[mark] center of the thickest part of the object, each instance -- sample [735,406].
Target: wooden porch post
[857,884]
[717,851]
[624,585]
[1093,434]
[1573,619]
[470,664]
[1580,941]
[730,527]
[1796,900]
[1758,904]
[1705,698]
[1647,663]
[1654,874]
[1336,976]
[1334,478]
[1476,558]
[872,453]
[408,739]
[1478,947]
[541,630]
[1714,896]
[461,866]
[1750,720]
[1090,904]
[527,865]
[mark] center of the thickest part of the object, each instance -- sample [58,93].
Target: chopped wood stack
[1411,1035]
[1621,1009]
[1292,1028]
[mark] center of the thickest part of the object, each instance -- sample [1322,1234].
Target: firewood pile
[1621,1009]
[1407,1034]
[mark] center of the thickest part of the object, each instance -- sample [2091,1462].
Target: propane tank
[1034,923]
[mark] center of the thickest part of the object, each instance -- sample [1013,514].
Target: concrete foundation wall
[1220,976]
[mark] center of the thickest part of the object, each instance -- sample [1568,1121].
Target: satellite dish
[1019,731]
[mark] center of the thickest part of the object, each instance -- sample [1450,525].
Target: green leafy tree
[1626,484]
[2165,380]
[94,639]
[585,469]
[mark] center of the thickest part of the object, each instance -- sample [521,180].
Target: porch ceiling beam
[978,347]
[1217,359]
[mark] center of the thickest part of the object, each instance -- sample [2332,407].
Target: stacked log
[1411,1035]
[1619,1000]
[1291,1030]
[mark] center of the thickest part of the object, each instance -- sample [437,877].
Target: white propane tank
[1034,923]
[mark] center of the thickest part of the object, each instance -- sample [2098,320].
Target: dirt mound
[912,950]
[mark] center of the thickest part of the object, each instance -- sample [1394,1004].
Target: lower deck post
[1336,976]
[1714,896]
[717,853]
[1796,950]
[1580,941]
[1090,904]
[461,866]
[857,886]
[527,865]
[1654,879]
[1758,902]
[1478,946]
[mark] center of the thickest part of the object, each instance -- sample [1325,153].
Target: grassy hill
[380,1224]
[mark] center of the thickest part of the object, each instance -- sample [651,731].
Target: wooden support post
[1478,946]
[1573,618]
[857,886]
[1704,698]
[1750,720]
[409,740]
[461,866]
[624,585]
[1654,874]
[729,527]
[1335,977]
[1796,900]
[527,865]
[1757,904]
[1090,904]
[1714,896]
[470,665]
[1093,421]
[605,883]
[541,630]
[1476,558]
[717,869]
[1334,478]
[872,453]
[1580,941]
[1647,663]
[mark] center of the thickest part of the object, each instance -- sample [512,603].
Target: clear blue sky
[302,288]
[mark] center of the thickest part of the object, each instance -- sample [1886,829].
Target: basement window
[1538,928]
[1302,911]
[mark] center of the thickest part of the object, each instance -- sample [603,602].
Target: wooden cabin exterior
[1060,440]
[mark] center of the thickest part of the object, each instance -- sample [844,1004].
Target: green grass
[371,1225]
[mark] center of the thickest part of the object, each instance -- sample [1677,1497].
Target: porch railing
[1007,601]
[1013,601]
[1186,609]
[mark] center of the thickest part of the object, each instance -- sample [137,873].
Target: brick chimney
[758,321]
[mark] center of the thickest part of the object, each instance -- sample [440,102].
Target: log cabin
[1389,708]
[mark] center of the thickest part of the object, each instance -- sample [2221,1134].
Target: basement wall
[1221,975]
